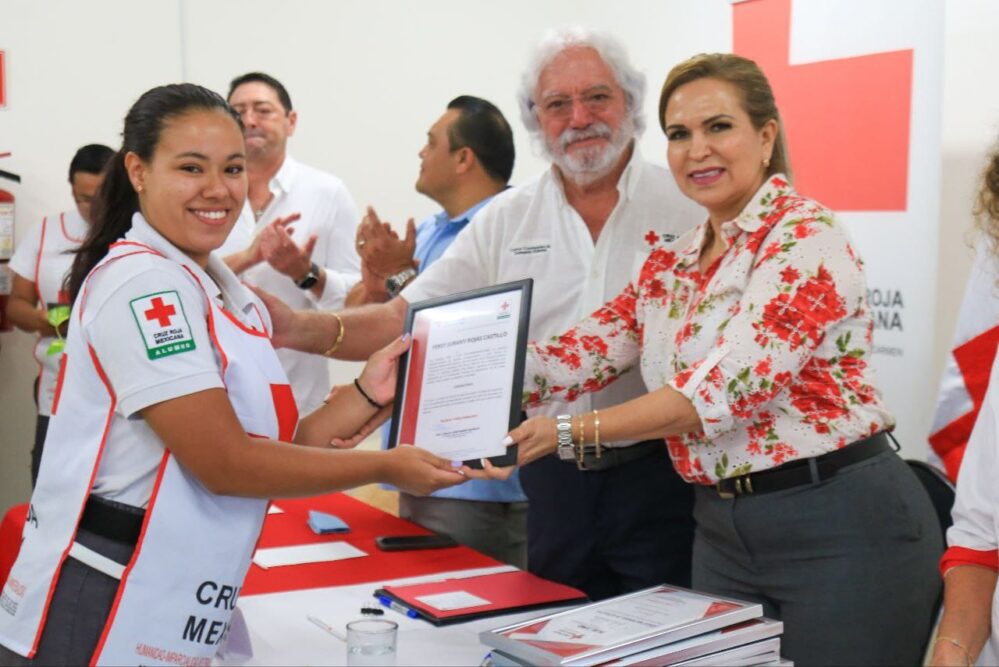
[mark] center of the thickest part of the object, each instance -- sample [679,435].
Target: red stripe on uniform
[65,232]
[286,411]
[131,563]
[38,261]
[956,556]
[59,381]
[243,327]
[90,485]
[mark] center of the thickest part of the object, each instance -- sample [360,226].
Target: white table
[282,635]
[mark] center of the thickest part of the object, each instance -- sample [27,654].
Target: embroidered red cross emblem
[160,311]
[651,238]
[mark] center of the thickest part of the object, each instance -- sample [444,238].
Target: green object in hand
[57,316]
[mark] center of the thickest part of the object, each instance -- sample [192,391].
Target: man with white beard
[581,230]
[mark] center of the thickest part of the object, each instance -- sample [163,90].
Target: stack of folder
[664,625]
[458,600]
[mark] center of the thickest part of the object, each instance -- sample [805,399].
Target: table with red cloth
[366,523]
[277,602]
[290,528]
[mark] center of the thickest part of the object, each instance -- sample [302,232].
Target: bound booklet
[736,637]
[618,627]
[456,600]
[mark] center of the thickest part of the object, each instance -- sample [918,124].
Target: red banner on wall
[847,120]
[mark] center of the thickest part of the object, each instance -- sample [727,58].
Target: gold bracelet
[951,640]
[339,338]
[579,443]
[596,432]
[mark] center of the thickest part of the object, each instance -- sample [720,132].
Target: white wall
[368,78]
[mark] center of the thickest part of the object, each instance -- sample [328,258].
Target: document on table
[460,384]
[306,553]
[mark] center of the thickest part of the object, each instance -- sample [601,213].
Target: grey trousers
[79,608]
[496,529]
[849,565]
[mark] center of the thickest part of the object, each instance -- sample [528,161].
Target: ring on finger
[360,243]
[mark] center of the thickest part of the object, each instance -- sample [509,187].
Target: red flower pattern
[785,380]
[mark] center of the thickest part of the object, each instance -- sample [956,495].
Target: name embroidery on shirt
[535,249]
[163,324]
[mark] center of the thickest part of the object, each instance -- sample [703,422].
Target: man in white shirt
[295,235]
[581,230]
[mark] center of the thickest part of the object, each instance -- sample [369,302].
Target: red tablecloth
[366,523]
[290,528]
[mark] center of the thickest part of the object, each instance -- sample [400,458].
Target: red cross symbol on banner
[847,120]
[160,311]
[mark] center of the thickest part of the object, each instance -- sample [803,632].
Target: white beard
[588,165]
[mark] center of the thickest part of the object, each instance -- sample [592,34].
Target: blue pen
[392,604]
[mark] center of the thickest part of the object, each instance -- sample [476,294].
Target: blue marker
[392,604]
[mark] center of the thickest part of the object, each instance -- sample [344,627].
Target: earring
[766,162]
[138,189]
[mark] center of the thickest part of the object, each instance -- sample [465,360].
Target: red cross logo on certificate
[160,311]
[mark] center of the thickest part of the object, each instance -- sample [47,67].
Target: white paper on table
[274,509]
[452,600]
[306,553]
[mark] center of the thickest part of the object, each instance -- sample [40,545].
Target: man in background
[467,160]
[38,303]
[294,237]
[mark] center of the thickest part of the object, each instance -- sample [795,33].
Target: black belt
[612,457]
[113,520]
[804,471]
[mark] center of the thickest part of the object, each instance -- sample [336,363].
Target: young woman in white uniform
[167,425]
[40,265]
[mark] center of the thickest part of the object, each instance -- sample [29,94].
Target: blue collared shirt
[433,236]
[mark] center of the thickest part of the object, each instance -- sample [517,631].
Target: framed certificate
[459,386]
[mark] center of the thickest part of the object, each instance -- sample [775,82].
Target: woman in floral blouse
[753,333]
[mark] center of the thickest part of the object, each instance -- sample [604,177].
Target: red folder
[505,592]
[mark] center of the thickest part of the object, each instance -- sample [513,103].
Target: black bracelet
[370,400]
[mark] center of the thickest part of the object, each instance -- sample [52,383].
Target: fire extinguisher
[6,244]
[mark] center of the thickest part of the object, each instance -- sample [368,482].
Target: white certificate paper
[460,376]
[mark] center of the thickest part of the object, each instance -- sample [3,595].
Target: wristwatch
[311,278]
[395,282]
[563,432]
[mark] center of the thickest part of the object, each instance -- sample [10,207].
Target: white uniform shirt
[532,232]
[112,315]
[976,509]
[44,258]
[329,212]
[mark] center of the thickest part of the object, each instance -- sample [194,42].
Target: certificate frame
[405,414]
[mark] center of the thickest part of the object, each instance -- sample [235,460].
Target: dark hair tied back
[117,201]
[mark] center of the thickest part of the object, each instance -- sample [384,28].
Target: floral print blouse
[771,344]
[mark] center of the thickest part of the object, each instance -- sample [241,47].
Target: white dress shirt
[329,212]
[976,508]
[532,232]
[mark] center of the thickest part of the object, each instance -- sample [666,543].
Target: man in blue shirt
[468,159]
